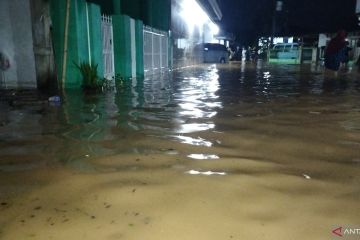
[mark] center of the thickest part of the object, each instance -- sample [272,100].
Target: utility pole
[273,23]
[278,7]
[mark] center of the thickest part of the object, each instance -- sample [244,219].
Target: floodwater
[209,152]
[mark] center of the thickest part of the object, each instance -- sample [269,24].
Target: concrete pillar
[117,7]
[314,55]
[128,46]
[16,42]
[139,28]
[44,57]
[95,40]
[122,45]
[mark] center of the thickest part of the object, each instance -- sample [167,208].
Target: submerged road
[238,151]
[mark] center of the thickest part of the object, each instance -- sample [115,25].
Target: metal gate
[156,54]
[108,47]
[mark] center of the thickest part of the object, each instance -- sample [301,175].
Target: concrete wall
[16,42]
[44,57]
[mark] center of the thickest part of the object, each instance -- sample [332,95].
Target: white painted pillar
[133,48]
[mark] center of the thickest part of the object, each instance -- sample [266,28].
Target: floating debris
[208,173]
[203,156]
[306,176]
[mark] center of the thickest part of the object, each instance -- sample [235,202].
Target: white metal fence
[156,51]
[108,47]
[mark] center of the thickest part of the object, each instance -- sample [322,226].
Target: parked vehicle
[211,53]
[287,50]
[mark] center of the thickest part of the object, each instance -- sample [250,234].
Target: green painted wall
[133,8]
[57,10]
[108,7]
[77,38]
[117,6]
[95,37]
[122,45]
[139,26]
[78,45]
[158,14]
[155,13]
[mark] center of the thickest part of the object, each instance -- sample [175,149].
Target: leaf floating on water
[316,113]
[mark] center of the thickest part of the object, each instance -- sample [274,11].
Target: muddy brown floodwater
[210,152]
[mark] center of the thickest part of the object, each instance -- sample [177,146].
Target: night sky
[249,19]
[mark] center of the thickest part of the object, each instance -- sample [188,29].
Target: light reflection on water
[203,156]
[193,141]
[183,107]
[176,156]
[207,173]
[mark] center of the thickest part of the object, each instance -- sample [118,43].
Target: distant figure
[335,51]
[243,54]
[254,54]
[248,54]
[347,51]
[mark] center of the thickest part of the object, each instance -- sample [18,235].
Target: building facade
[45,40]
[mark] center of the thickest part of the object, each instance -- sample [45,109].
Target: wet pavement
[210,152]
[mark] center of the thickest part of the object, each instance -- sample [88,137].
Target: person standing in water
[335,51]
[347,52]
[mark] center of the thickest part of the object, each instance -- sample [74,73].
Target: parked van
[211,53]
[285,52]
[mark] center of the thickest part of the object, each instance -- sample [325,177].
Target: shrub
[90,76]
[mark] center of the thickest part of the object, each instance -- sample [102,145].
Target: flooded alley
[213,152]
